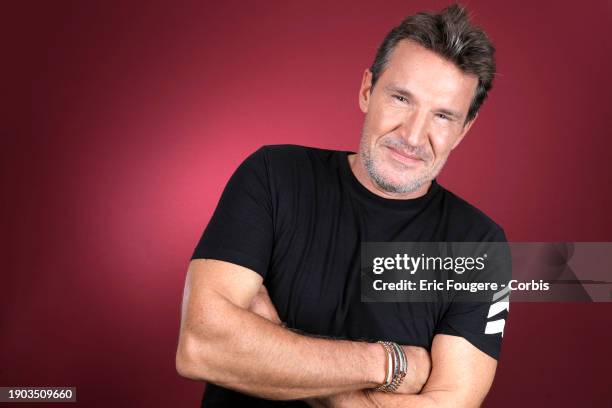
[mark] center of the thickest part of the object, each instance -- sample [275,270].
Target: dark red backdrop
[140,112]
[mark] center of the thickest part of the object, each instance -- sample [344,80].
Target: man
[284,246]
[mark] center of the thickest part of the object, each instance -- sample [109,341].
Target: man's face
[415,116]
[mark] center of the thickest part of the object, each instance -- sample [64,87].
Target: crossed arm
[461,376]
[230,336]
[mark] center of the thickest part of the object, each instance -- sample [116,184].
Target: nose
[414,128]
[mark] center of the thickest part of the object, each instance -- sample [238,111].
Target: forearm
[432,399]
[237,349]
[461,379]
[375,399]
[419,365]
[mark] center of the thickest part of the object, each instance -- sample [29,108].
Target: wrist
[375,365]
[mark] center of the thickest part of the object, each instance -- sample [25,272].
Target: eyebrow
[406,93]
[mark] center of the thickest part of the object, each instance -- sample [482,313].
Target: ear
[364,91]
[466,127]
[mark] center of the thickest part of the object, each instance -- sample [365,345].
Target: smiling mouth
[404,158]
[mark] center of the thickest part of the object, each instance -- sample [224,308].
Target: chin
[402,184]
[401,174]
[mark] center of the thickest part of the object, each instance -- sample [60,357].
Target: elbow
[185,367]
[190,361]
[201,351]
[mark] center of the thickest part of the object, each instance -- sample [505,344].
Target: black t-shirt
[297,216]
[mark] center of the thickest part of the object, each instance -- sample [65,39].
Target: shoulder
[468,222]
[292,152]
[287,157]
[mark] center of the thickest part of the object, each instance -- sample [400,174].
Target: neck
[362,175]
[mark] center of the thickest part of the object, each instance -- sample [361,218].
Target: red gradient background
[140,111]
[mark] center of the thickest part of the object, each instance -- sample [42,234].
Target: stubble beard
[410,184]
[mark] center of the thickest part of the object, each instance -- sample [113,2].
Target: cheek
[441,144]
[383,119]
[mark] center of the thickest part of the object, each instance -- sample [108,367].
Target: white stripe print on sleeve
[501,302]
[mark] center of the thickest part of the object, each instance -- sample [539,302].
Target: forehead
[427,74]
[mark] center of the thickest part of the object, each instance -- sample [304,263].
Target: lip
[403,157]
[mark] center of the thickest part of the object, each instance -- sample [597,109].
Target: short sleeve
[241,228]
[481,322]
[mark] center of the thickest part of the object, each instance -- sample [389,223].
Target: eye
[443,116]
[400,98]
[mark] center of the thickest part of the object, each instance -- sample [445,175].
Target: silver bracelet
[396,368]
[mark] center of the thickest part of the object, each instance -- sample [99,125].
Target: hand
[349,399]
[262,305]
